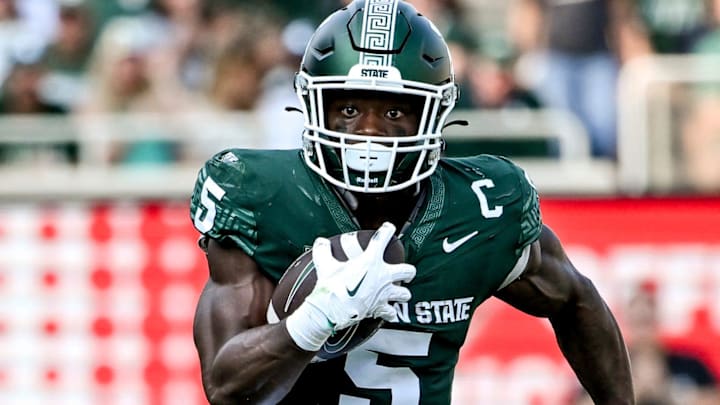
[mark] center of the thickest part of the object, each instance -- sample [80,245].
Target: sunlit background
[108,108]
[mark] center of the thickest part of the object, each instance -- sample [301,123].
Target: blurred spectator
[280,49]
[673,26]
[107,10]
[570,63]
[40,16]
[21,92]
[66,57]
[450,17]
[701,131]
[182,56]
[18,42]
[662,375]
[493,86]
[290,11]
[646,27]
[20,95]
[234,87]
[709,43]
[701,145]
[123,80]
[237,77]
[252,75]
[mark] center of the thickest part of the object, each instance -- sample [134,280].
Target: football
[299,280]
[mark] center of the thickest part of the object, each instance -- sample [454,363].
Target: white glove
[347,292]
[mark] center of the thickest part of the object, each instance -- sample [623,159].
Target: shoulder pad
[530,216]
[511,187]
[226,195]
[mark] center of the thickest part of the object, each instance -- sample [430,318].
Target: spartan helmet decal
[385,46]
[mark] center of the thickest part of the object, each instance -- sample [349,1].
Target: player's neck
[371,210]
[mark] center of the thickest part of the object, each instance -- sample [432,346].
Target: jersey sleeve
[530,216]
[529,219]
[221,206]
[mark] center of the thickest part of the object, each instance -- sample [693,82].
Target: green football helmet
[384,46]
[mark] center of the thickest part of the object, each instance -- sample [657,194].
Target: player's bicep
[234,299]
[549,281]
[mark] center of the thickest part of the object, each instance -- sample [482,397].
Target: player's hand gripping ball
[300,278]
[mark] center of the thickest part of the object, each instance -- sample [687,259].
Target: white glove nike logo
[352,292]
[449,247]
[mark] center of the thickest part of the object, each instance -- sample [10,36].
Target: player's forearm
[259,365]
[590,340]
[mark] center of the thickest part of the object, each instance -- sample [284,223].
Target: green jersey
[470,236]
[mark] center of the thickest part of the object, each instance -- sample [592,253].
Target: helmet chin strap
[417,188]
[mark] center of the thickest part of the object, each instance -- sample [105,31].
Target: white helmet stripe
[378,31]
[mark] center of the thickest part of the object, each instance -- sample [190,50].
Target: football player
[376,85]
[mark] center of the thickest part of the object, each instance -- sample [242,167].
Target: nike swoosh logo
[449,247]
[357,286]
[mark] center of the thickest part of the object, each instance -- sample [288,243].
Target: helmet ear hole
[308,148]
[300,84]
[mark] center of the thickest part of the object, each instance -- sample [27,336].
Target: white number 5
[205,215]
[362,368]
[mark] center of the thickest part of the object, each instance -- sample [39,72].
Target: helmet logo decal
[378,31]
[374,72]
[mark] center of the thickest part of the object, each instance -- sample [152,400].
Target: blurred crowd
[152,71]
[663,372]
[168,60]
[570,54]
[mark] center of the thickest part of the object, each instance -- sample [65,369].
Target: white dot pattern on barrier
[79,283]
